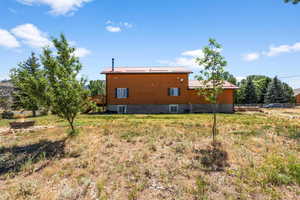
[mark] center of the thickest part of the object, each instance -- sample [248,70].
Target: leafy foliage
[68,93]
[96,87]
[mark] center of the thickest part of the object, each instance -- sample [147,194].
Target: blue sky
[258,36]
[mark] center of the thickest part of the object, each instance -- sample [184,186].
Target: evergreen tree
[31,85]
[275,92]
[250,96]
[288,93]
[67,92]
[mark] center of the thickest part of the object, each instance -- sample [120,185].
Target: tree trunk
[214,128]
[33,113]
[72,126]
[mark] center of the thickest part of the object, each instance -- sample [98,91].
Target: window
[173,108]
[122,93]
[174,92]
[122,109]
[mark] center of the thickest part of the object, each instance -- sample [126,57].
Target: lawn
[142,157]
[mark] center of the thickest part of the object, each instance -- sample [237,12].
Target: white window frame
[125,109]
[174,92]
[173,105]
[122,93]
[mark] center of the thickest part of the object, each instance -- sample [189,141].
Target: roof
[297,91]
[194,84]
[141,70]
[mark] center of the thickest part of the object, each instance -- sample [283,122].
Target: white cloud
[187,59]
[8,40]
[277,50]
[82,52]
[273,51]
[127,25]
[58,7]
[31,35]
[251,56]
[193,53]
[117,27]
[113,29]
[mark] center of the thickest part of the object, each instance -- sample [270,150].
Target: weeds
[153,157]
[201,189]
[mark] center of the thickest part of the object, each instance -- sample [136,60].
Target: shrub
[7,115]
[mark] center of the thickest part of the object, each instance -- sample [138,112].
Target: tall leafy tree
[212,76]
[67,92]
[250,95]
[275,92]
[31,85]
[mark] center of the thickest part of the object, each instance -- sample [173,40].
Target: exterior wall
[153,89]
[164,108]
[147,88]
[298,99]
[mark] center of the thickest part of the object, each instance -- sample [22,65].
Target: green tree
[261,85]
[292,1]
[212,76]
[67,92]
[96,87]
[288,93]
[275,92]
[31,85]
[250,92]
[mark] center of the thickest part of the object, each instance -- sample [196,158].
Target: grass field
[142,157]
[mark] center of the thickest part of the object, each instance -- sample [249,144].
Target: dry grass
[153,157]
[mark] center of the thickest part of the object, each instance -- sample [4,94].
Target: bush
[7,115]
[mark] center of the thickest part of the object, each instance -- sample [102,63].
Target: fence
[274,105]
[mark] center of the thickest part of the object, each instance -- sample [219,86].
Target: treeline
[258,89]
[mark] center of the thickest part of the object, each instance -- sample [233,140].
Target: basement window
[173,108]
[122,109]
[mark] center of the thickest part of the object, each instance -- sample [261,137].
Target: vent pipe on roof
[113,64]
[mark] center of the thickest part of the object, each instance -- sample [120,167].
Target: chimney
[113,65]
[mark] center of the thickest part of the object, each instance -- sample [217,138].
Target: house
[297,95]
[159,90]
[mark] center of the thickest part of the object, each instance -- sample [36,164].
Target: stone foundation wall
[182,108]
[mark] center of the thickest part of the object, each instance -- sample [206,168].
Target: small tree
[212,76]
[250,95]
[67,92]
[31,85]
